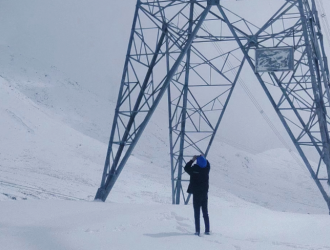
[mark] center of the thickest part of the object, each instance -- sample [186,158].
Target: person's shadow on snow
[163,235]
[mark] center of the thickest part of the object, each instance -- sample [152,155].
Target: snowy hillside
[68,151]
[45,156]
[56,119]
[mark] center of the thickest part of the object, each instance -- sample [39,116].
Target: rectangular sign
[274,59]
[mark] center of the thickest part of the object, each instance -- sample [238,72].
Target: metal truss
[195,50]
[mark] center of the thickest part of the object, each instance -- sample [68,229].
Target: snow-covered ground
[51,168]
[54,134]
[55,224]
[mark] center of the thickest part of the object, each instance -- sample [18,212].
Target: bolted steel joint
[253,40]
[213,2]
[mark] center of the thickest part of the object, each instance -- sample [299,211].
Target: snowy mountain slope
[38,151]
[50,88]
[70,102]
[272,179]
[63,155]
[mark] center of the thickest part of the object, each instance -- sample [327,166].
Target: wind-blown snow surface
[47,158]
[54,134]
[92,225]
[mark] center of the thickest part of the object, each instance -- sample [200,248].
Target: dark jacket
[199,178]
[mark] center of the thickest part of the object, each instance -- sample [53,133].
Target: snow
[50,172]
[82,225]
[54,133]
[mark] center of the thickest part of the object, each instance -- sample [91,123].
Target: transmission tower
[195,49]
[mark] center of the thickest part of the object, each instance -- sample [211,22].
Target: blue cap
[201,161]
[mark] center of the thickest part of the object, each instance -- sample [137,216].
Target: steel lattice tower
[194,48]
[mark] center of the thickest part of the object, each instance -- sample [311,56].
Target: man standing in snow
[199,187]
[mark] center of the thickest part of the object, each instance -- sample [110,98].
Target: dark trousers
[200,200]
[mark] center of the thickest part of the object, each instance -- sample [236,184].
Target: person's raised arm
[188,168]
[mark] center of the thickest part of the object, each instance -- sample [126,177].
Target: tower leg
[132,129]
[319,104]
